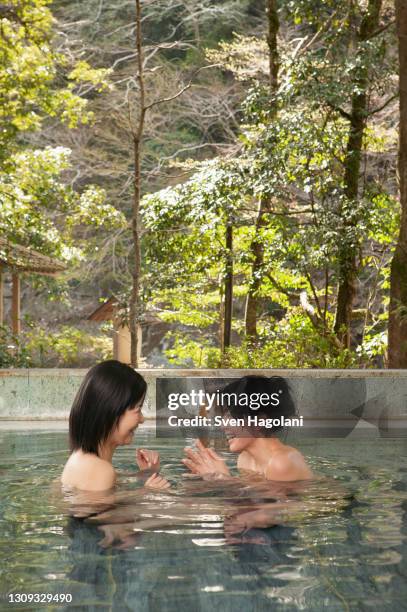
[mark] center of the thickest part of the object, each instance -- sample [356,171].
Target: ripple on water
[342,540]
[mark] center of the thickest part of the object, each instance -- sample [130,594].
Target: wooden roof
[24,259]
[107,312]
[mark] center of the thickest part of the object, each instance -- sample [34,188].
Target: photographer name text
[219,421]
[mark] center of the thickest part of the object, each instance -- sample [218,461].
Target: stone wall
[377,398]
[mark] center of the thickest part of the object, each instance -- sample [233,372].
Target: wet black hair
[107,391]
[252,385]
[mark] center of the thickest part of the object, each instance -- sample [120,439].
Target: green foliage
[37,208]
[293,147]
[289,154]
[13,352]
[33,198]
[186,352]
[374,345]
[65,347]
[30,68]
[38,87]
[292,342]
[199,309]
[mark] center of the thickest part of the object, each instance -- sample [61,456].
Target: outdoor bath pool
[354,558]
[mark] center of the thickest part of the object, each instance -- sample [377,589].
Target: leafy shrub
[66,347]
[292,342]
[13,353]
[39,348]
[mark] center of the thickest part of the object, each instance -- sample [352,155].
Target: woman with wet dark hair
[252,424]
[104,415]
[269,399]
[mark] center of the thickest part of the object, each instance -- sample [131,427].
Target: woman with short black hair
[105,414]
[258,447]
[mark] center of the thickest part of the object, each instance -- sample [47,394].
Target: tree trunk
[256,247]
[228,304]
[273,26]
[257,252]
[135,305]
[221,313]
[349,247]
[397,350]
[135,301]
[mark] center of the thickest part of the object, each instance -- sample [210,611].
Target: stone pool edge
[32,395]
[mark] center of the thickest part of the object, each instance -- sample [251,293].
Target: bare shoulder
[88,472]
[288,464]
[246,462]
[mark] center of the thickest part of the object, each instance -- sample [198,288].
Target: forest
[227,176]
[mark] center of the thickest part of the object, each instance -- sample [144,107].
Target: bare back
[88,472]
[286,464]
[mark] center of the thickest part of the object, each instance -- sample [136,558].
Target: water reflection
[341,545]
[238,505]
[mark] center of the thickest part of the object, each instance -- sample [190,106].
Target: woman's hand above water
[148,459]
[205,461]
[157,482]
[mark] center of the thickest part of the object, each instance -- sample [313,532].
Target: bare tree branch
[182,90]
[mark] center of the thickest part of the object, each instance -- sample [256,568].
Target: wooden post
[15,304]
[1,297]
[123,344]
[116,342]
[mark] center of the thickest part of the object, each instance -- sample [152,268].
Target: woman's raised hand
[148,459]
[157,482]
[204,461]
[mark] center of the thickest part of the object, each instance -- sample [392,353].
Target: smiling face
[239,438]
[128,423]
[239,444]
